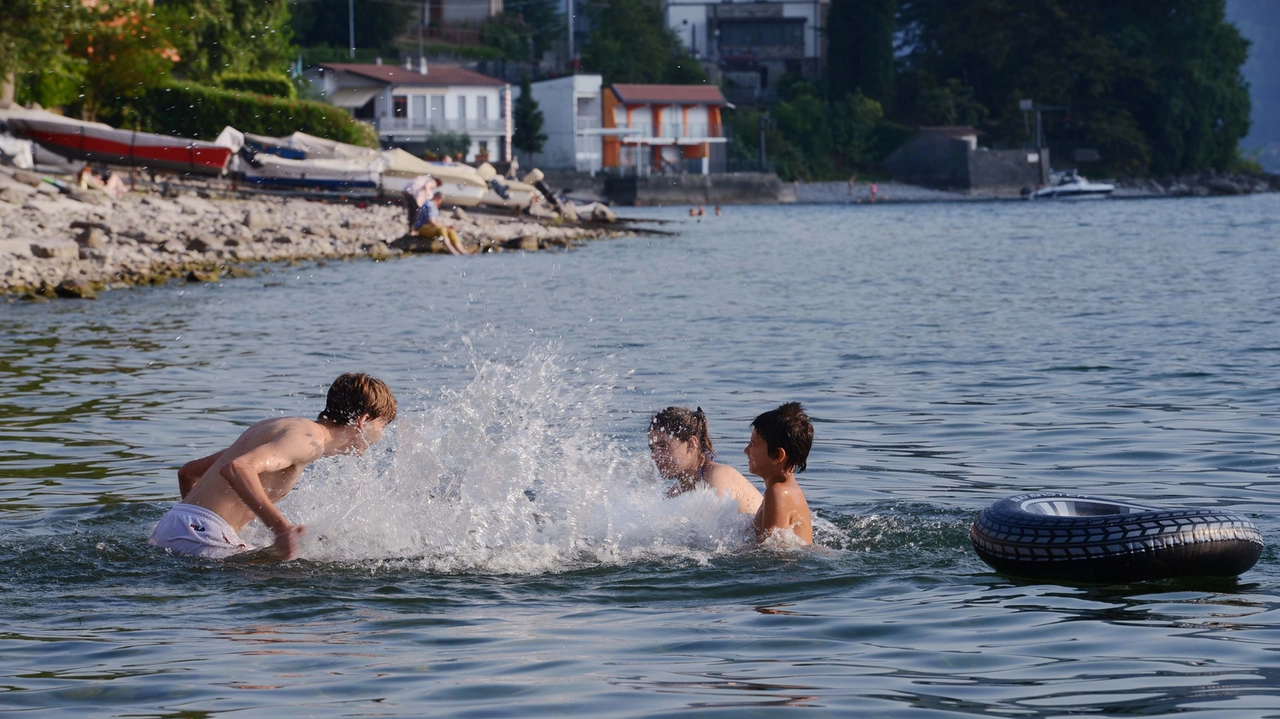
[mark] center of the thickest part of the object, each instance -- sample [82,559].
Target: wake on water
[510,474]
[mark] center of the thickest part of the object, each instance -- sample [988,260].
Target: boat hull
[93,142]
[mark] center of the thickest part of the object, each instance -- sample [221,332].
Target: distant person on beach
[681,448]
[778,450]
[228,489]
[875,191]
[428,222]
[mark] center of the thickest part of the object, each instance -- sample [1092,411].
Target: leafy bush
[196,111]
[448,144]
[275,84]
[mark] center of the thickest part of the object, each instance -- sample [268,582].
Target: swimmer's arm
[192,471]
[243,474]
[772,514]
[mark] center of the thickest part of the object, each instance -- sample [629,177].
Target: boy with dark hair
[779,448]
[225,491]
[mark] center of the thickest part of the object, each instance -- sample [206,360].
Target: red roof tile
[683,94]
[437,75]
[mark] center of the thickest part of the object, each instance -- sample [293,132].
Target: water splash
[510,474]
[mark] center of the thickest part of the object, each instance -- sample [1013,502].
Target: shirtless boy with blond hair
[778,450]
[226,490]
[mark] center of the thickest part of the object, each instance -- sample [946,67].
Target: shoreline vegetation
[73,243]
[1202,184]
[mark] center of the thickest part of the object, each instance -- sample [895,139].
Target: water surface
[507,550]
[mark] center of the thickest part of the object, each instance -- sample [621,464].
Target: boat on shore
[1071,185]
[461,185]
[100,143]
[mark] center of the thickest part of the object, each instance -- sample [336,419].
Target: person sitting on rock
[681,448]
[428,222]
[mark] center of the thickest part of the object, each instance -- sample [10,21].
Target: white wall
[559,101]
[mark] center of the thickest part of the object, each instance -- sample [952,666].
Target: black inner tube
[1094,539]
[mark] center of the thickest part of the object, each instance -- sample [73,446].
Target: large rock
[92,237]
[28,178]
[256,220]
[192,205]
[204,244]
[76,289]
[89,197]
[56,251]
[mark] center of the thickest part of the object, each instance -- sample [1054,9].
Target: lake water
[506,552]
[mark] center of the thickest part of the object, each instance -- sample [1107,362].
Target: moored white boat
[460,185]
[1071,185]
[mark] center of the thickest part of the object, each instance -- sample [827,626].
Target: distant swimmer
[681,448]
[225,491]
[778,450]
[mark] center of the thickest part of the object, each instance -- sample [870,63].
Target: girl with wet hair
[681,447]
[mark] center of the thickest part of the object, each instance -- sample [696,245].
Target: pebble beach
[71,242]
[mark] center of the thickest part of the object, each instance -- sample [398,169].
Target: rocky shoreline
[69,242]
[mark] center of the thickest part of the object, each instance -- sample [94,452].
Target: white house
[752,43]
[408,106]
[571,111]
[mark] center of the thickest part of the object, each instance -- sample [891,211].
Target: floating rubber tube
[1075,537]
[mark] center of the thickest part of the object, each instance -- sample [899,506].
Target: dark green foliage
[631,43]
[196,111]
[1154,86]
[214,37]
[33,33]
[526,34]
[378,24]
[860,48]
[527,118]
[807,138]
[448,144]
[275,84]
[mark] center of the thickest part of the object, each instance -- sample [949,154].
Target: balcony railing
[676,129]
[428,125]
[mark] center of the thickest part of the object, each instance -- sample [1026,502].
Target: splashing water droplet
[510,474]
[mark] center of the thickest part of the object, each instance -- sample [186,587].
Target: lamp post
[351,25]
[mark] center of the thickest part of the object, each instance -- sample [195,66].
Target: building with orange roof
[661,128]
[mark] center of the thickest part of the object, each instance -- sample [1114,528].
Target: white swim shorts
[198,531]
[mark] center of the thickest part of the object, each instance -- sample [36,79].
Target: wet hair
[355,394]
[684,424]
[787,428]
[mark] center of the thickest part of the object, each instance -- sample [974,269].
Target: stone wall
[1008,170]
[931,159]
[936,160]
[734,188]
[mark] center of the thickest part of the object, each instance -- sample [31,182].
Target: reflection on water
[507,550]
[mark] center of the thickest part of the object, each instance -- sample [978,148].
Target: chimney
[422,64]
[408,64]
[377,61]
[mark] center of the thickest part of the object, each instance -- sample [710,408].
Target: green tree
[125,54]
[860,48]
[448,144]
[33,52]
[378,24]
[1156,87]
[630,42]
[219,36]
[527,118]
